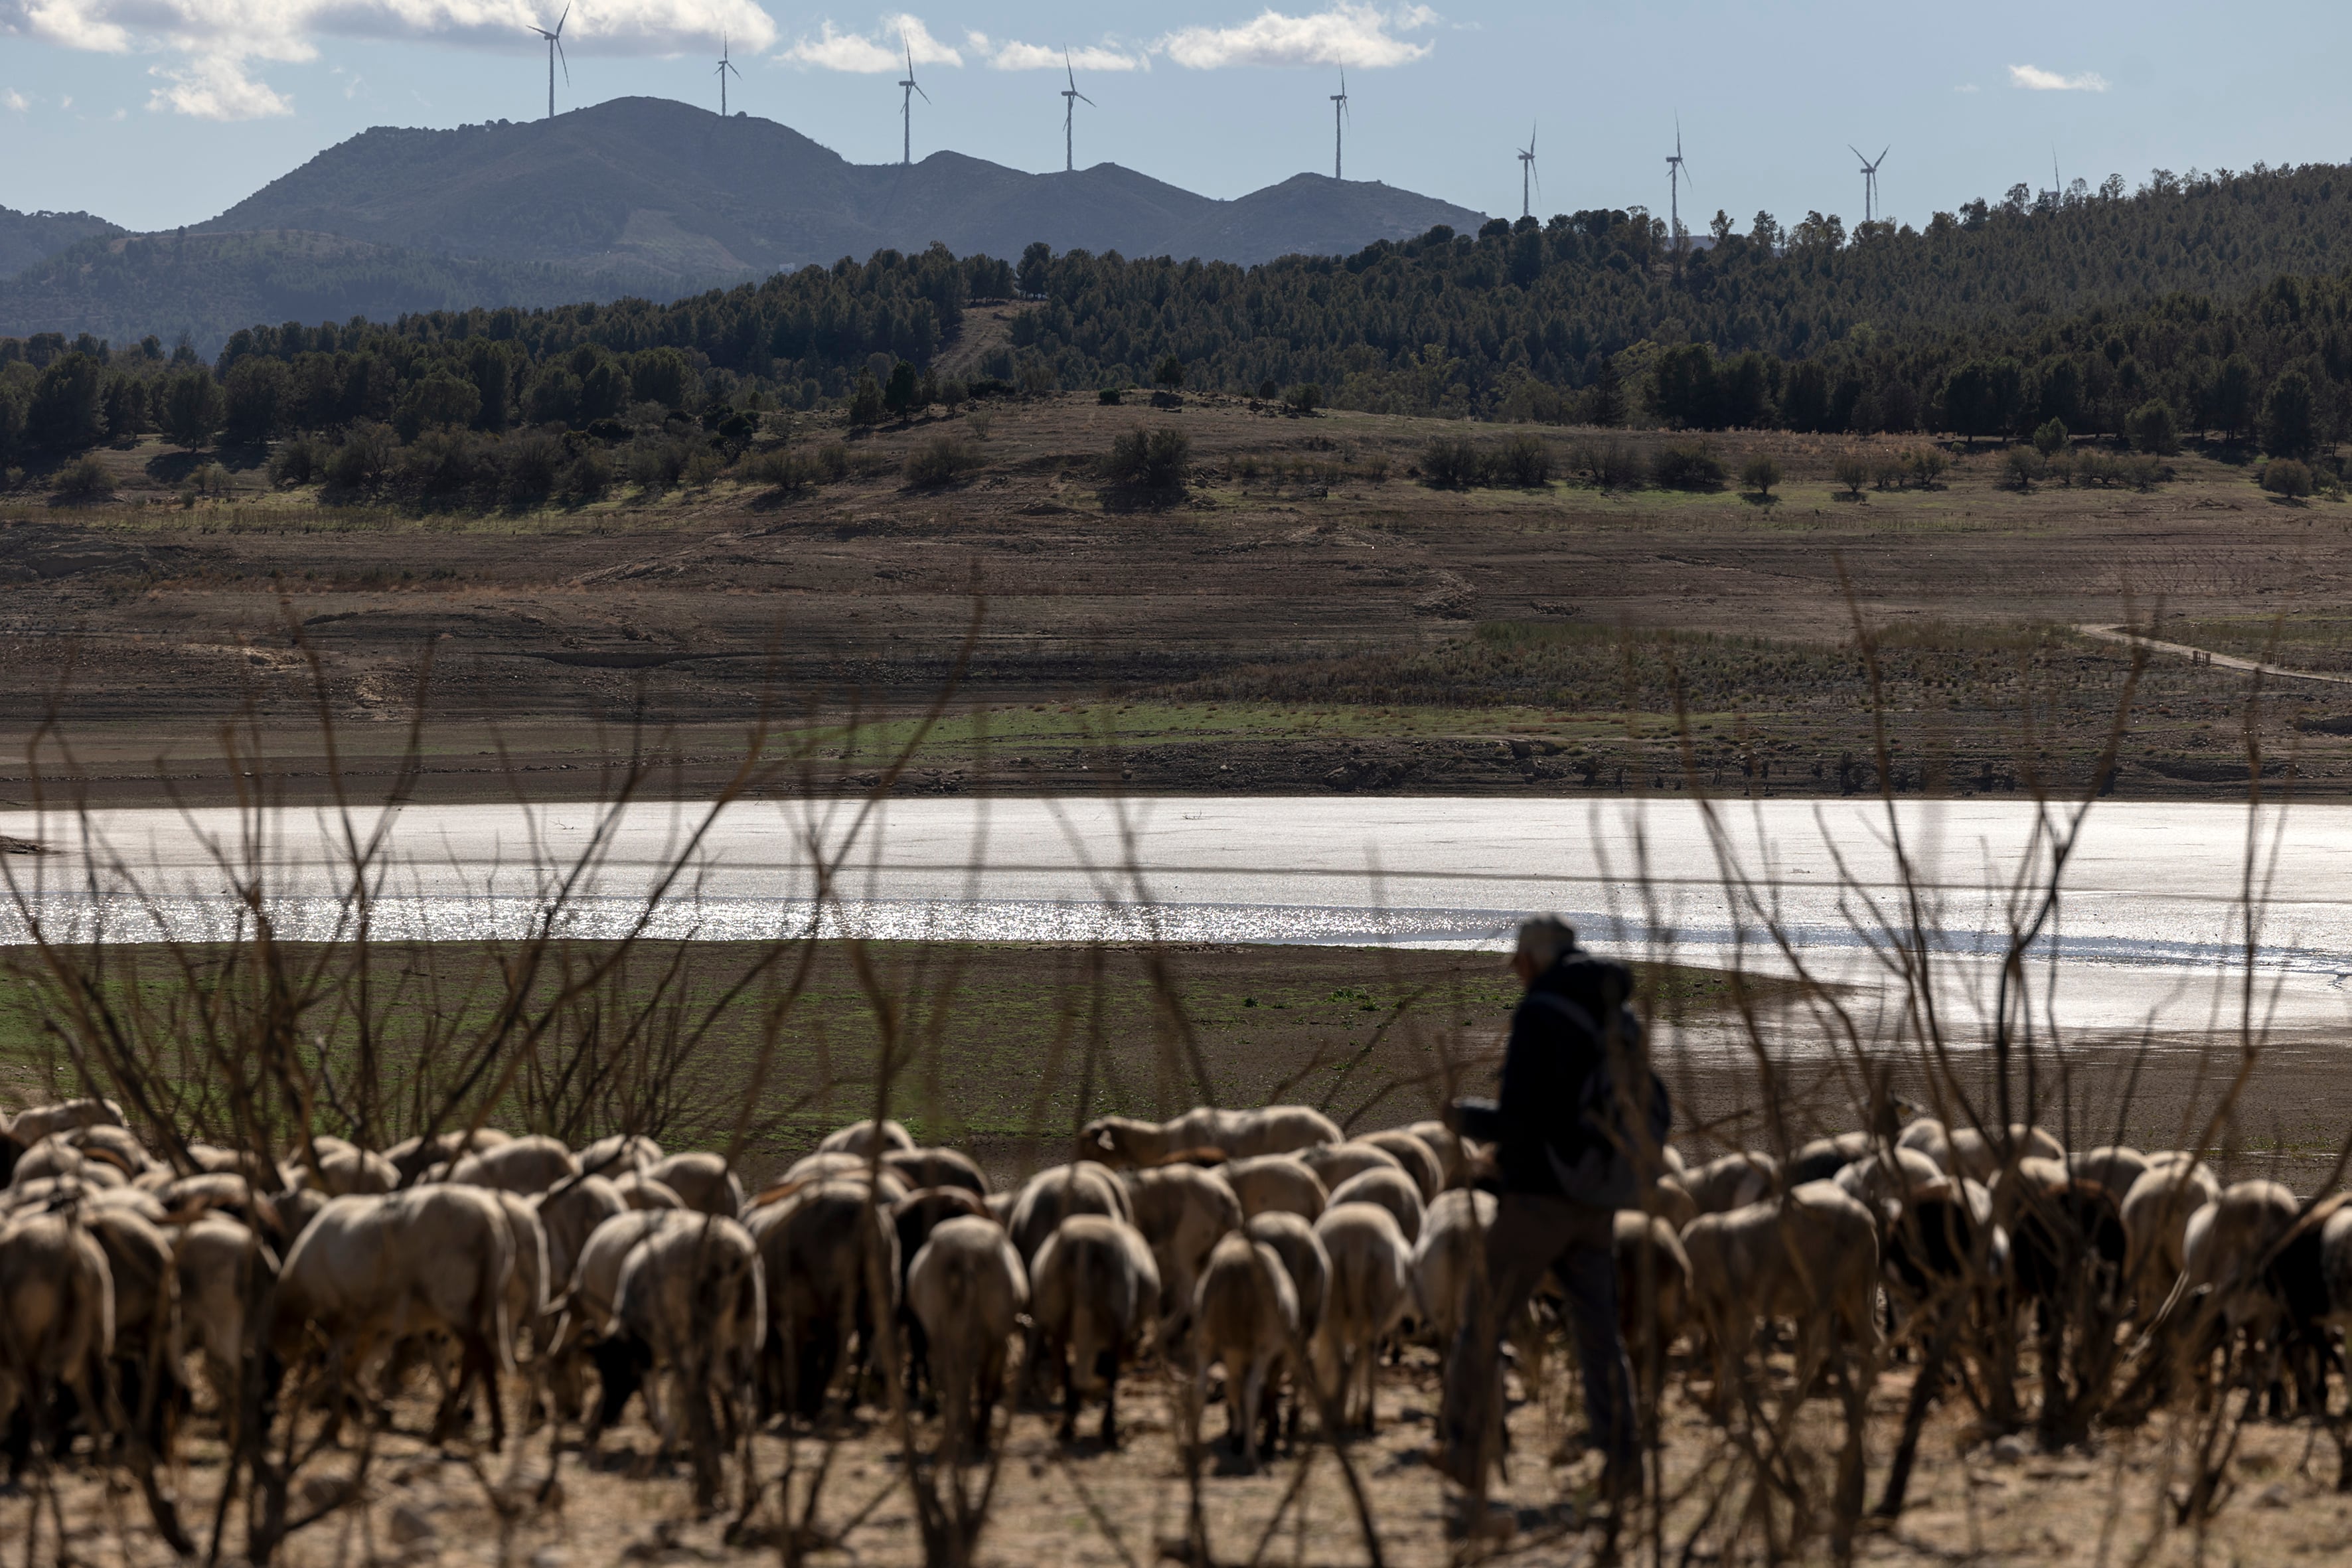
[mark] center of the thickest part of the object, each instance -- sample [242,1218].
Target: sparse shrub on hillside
[1107,397]
[2286,476]
[1304,398]
[211,479]
[1611,465]
[531,462]
[1452,462]
[1687,467]
[704,464]
[658,462]
[2050,438]
[300,461]
[589,475]
[1148,460]
[1759,474]
[2152,429]
[1853,471]
[941,460]
[2022,465]
[84,478]
[1523,461]
[866,400]
[363,458]
[1924,466]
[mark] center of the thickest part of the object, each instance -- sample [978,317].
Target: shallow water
[2149,931]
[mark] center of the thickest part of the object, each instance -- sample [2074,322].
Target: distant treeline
[2214,303]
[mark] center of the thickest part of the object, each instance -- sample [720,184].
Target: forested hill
[29,237]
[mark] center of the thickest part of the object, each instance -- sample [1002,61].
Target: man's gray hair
[1544,938]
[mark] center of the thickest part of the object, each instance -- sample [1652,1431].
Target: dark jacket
[1544,1072]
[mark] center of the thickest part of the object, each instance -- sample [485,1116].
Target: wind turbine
[1071,99]
[1676,172]
[907,108]
[1869,180]
[1528,172]
[725,65]
[555,50]
[1338,110]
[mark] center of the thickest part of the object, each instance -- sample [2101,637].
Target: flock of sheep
[1265,1244]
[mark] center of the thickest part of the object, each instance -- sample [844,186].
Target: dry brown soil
[1306,616]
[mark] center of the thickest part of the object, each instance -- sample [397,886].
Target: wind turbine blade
[1882,156]
[1858,152]
[921,94]
[566,59]
[561,20]
[1082,98]
[1531,139]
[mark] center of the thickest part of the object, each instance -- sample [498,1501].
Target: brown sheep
[57,1316]
[858,1138]
[1245,1315]
[702,1182]
[1393,1190]
[1811,1255]
[1054,1193]
[524,1165]
[1409,1151]
[1669,1268]
[619,1153]
[691,1303]
[1335,1162]
[1119,1141]
[832,1262]
[1370,1258]
[1183,1211]
[920,1168]
[967,1288]
[1092,1290]
[1272,1182]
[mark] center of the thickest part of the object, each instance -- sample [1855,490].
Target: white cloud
[1005,54]
[1346,34]
[2034,78]
[884,49]
[1965,86]
[16,101]
[215,89]
[215,40]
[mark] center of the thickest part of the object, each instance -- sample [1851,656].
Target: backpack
[1624,1109]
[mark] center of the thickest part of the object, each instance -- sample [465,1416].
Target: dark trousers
[1576,1243]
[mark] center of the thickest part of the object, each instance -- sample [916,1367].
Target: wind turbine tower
[1071,99]
[906,107]
[1338,115]
[554,52]
[725,65]
[1677,170]
[1869,180]
[1527,173]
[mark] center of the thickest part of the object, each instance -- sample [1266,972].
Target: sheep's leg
[1108,1362]
[991,1389]
[1069,1429]
[1253,1394]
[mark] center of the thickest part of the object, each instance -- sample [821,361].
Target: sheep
[1277,1184]
[1245,1314]
[588,1335]
[833,1165]
[639,1191]
[858,1138]
[2229,1240]
[569,1214]
[412,1157]
[966,1289]
[1448,1261]
[832,1261]
[57,1316]
[376,1267]
[219,1192]
[1414,1155]
[702,1182]
[1335,1162]
[619,1153]
[1092,1289]
[1393,1190]
[2156,1212]
[525,1165]
[1183,1211]
[1667,1267]
[147,1376]
[529,1292]
[1059,1191]
[1811,1255]
[1369,1258]
[1883,1180]
[691,1302]
[1976,1154]
[2115,1166]
[920,1168]
[1731,1182]
[222,1265]
[1443,1141]
[1119,1142]
[341,1168]
[914,1217]
[1672,1202]
[1825,1157]
[31,1125]
[1293,1241]
[1931,1138]
[54,1156]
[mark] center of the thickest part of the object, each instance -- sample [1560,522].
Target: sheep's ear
[1103,1141]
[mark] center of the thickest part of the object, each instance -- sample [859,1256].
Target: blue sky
[156,112]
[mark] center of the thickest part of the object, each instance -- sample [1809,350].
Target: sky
[160,112]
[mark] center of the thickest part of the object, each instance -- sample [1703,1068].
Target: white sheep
[1245,1315]
[967,1288]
